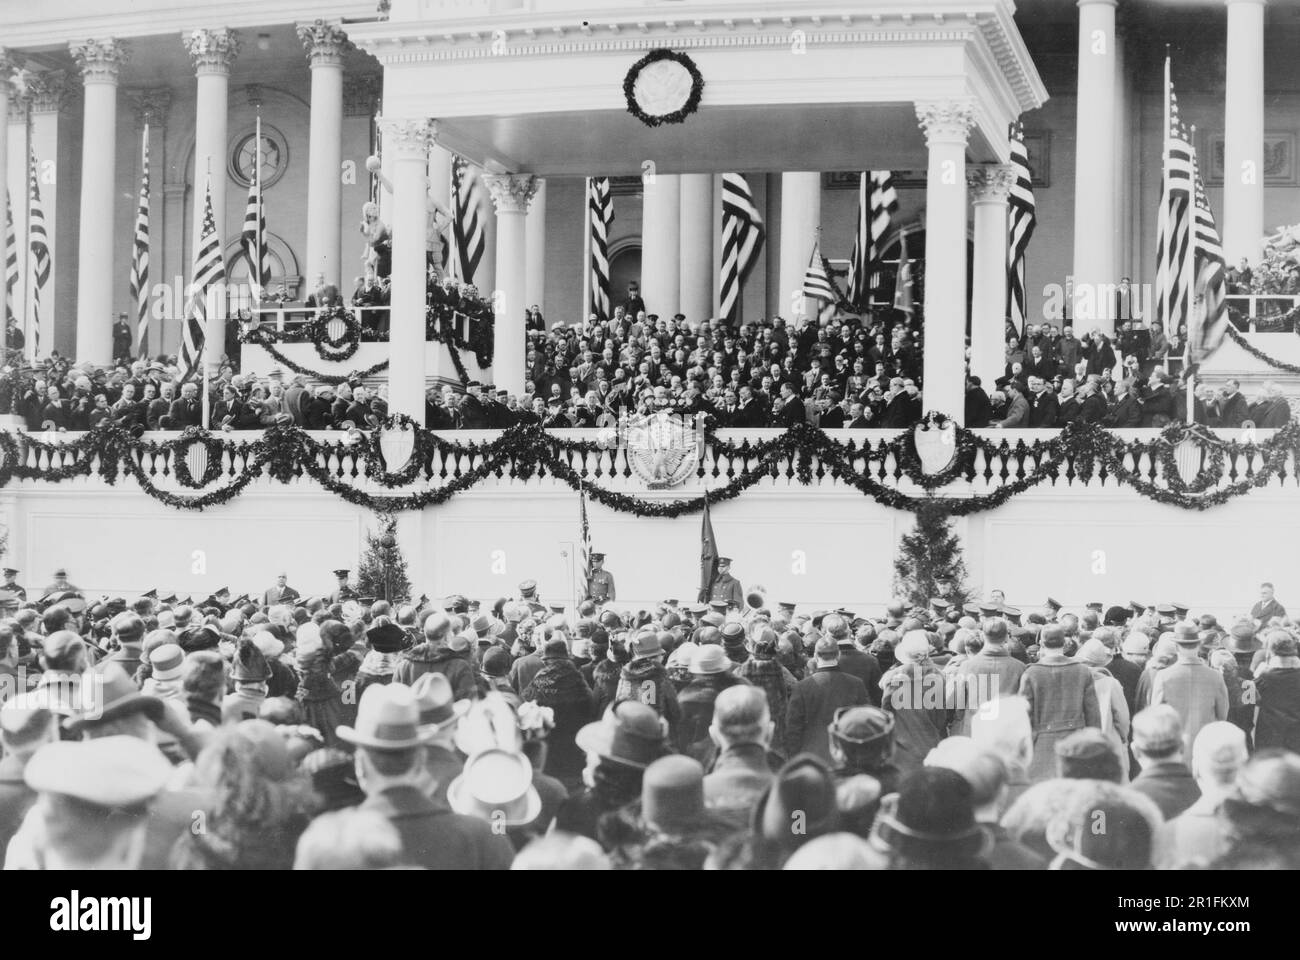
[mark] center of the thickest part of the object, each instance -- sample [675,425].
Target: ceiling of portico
[786,137]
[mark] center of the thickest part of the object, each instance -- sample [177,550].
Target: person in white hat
[93,806]
[390,764]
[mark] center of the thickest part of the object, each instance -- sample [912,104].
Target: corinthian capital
[408,139]
[511,192]
[325,43]
[100,60]
[213,51]
[945,121]
[990,182]
[47,91]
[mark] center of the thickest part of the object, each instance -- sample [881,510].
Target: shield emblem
[1188,457]
[936,446]
[396,447]
[196,459]
[335,328]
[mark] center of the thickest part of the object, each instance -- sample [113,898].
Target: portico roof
[790,85]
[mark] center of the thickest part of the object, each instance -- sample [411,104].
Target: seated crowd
[342,732]
[1052,379]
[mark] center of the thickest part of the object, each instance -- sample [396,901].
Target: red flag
[708,556]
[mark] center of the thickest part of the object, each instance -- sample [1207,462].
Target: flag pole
[257,174]
[1190,266]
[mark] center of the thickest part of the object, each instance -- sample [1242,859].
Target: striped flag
[11,261]
[1173,221]
[584,545]
[139,285]
[816,282]
[600,214]
[42,262]
[742,238]
[467,228]
[877,204]
[1020,226]
[209,273]
[1209,318]
[254,236]
[903,280]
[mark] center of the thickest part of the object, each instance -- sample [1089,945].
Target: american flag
[1173,222]
[140,258]
[816,282]
[1020,226]
[600,214]
[41,262]
[584,545]
[877,204]
[254,235]
[742,238]
[11,261]
[467,228]
[209,274]
[903,300]
[1209,318]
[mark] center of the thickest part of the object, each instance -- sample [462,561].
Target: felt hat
[629,733]
[108,694]
[436,701]
[119,772]
[388,718]
[496,786]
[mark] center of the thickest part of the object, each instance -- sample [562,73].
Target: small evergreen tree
[381,572]
[931,553]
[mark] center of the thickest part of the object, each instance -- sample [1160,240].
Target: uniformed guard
[528,595]
[600,587]
[11,594]
[343,591]
[1051,610]
[726,587]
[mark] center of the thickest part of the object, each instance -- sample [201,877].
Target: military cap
[1055,605]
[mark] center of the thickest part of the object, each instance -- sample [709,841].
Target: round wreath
[677,116]
[180,466]
[377,469]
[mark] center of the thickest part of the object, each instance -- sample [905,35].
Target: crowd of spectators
[342,732]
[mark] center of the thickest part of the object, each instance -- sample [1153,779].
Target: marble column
[407,143]
[1243,138]
[801,215]
[990,186]
[661,244]
[535,282]
[49,92]
[100,62]
[1095,181]
[511,195]
[212,51]
[947,126]
[325,45]
[697,246]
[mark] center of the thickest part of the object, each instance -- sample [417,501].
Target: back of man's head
[741,715]
[1158,733]
[1218,752]
[995,631]
[437,627]
[1052,637]
[64,651]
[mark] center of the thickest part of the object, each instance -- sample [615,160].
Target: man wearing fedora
[392,770]
[1191,686]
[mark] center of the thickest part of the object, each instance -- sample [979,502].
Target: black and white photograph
[689,435]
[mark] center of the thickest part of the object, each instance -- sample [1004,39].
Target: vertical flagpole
[1191,269]
[257,253]
[588,290]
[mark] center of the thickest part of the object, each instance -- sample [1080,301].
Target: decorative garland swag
[288,453]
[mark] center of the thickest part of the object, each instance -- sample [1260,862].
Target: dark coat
[436,658]
[813,703]
[1170,784]
[435,838]
[1233,411]
[1062,698]
[979,408]
[1126,413]
[559,685]
[1093,409]
[1278,723]
[1042,409]
[696,702]
[1158,408]
[739,776]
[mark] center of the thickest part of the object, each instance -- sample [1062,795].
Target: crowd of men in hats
[140,396]
[342,731]
[1053,378]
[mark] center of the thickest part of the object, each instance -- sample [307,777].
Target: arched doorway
[624,266]
[916,254]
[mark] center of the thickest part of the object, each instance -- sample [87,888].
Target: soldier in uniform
[600,587]
[344,592]
[528,595]
[11,585]
[726,587]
